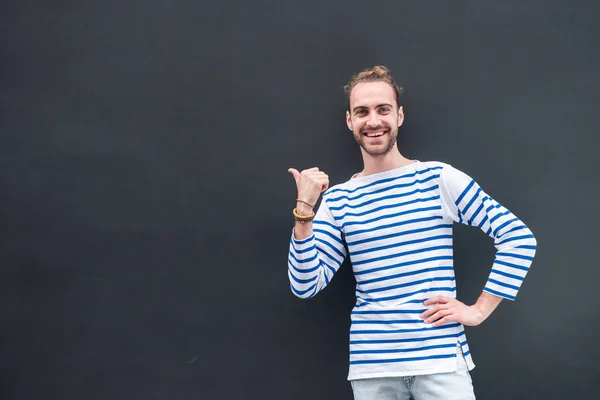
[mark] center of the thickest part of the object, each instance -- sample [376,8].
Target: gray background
[146,204]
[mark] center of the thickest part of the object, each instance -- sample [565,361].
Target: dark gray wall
[146,207]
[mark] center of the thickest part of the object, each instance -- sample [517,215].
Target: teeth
[375,134]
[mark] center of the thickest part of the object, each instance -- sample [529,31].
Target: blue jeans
[451,386]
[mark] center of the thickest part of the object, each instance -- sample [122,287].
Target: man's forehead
[372,93]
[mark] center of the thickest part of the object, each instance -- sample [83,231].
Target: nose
[373,120]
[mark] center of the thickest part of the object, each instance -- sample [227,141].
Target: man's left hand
[446,309]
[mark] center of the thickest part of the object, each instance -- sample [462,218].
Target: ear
[348,120]
[400,116]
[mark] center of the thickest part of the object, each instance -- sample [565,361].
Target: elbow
[532,241]
[303,288]
[304,297]
[304,294]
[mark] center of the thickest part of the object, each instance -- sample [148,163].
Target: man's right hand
[310,183]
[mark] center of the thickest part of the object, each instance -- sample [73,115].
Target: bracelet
[303,218]
[308,204]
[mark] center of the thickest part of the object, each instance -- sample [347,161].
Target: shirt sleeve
[465,202]
[312,262]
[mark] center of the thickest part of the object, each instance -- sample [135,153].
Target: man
[394,219]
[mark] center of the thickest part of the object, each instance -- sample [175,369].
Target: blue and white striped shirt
[396,226]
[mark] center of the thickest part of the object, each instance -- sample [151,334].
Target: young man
[394,219]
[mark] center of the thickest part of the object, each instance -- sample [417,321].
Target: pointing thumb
[295,173]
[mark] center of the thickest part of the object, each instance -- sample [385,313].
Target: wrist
[485,305]
[480,314]
[303,209]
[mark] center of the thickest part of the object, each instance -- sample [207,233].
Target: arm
[316,248]
[465,202]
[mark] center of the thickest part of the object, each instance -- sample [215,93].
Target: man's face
[374,117]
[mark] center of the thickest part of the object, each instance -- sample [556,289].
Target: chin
[376,152]
[379,150]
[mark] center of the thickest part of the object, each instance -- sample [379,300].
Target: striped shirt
[396,226]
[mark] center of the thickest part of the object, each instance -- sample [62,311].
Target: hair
[378,73]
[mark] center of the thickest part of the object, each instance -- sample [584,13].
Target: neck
[391,160]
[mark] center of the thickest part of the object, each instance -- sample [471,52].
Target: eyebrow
[378,106]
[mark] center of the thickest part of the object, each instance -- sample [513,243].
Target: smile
[374,134]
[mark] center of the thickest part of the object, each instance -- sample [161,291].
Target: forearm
[486,304]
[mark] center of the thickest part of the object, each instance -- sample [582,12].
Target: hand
[310,183]
[446,309]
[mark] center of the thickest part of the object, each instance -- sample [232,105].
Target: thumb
[295,173]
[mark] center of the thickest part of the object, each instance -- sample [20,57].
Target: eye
[361,112]
[384,110]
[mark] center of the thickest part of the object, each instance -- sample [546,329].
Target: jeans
[448,386]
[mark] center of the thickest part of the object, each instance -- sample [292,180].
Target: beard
[380,149]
